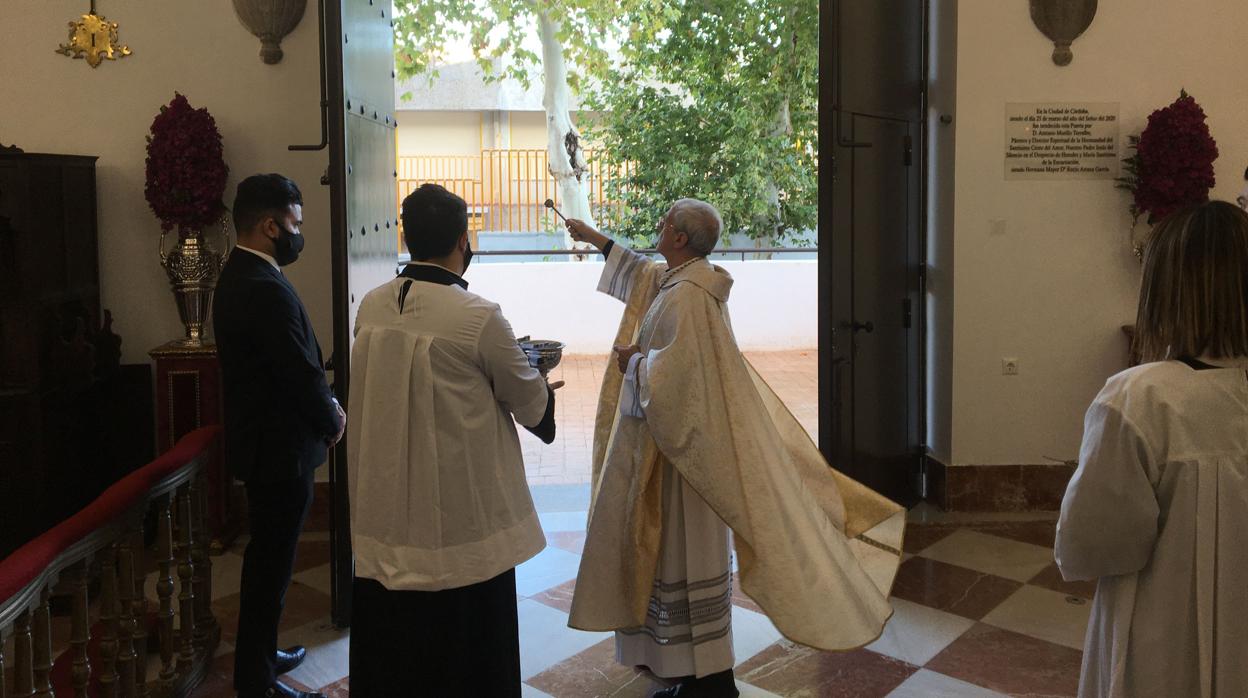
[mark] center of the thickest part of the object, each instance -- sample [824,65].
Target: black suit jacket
[279,409]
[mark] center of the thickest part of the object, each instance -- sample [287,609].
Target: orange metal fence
[505,189]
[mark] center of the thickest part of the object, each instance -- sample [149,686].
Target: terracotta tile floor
[792,374]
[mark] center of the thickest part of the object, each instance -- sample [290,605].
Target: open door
[359,72]
[871,253]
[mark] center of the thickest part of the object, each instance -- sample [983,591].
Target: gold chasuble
[816,550]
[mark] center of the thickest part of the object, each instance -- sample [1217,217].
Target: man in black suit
[280,417]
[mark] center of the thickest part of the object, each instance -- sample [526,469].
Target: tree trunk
[782,125]
[563,141]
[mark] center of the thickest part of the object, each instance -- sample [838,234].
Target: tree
[569,31]
[716,99]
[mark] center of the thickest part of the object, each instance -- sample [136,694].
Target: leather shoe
[288,659]
[281,690]
[718,685]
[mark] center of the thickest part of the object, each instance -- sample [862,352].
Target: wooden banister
[109,532]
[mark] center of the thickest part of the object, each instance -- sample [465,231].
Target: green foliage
[699,107]
[713,99]
[1130,179]
[499,30]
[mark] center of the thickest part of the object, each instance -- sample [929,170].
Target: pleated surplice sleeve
[1109,518]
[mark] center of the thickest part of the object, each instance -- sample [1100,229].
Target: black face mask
[287,246]
[467,255]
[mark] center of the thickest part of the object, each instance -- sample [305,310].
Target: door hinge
[909,150]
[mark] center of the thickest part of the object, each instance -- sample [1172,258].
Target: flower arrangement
[1172,163]
[185,170]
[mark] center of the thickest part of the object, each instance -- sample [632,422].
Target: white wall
[53,104]
[773,303]
[439,132]
[1054,289]
[528,129]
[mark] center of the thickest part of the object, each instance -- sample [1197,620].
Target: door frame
[829,150]
[341,570]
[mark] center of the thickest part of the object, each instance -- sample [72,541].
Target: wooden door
[362,179]
[871,241]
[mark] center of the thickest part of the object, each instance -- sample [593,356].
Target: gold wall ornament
[270,21]
[94,38]
[1063,21]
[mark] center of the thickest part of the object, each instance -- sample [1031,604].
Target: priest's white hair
[700,221]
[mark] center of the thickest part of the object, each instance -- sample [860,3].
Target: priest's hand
[623,354]
[583,232]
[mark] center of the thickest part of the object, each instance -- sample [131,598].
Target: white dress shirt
[261,255]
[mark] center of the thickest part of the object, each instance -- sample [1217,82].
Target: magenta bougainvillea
[185,170]
[1172,166]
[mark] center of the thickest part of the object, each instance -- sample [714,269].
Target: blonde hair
[1194,294]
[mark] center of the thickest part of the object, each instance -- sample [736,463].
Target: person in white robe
[694,456]
[1157,511]
[441,512]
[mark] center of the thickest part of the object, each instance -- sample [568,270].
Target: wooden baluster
[186,590]
[127,625]
[42,632]
[164,591]
[108,619]
[4,687]
[23,659]
[140,614]
[204,621]
[80,633]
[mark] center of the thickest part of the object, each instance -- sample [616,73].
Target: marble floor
[980,610]
[792,374]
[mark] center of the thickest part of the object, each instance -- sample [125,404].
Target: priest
[695,455]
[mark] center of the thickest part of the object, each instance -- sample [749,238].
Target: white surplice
[1157,512]
[437,486]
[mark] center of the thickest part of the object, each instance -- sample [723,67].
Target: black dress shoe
[288,659]
[718,685]
[281,690]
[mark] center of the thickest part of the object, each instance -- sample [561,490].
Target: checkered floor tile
[979,611]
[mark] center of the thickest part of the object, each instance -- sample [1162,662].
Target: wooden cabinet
[67,409]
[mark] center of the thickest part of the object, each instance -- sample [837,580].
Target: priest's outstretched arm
[624,266]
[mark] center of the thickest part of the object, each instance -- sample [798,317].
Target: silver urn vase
[193,268]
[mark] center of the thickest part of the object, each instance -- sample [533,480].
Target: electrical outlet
[1009,367]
